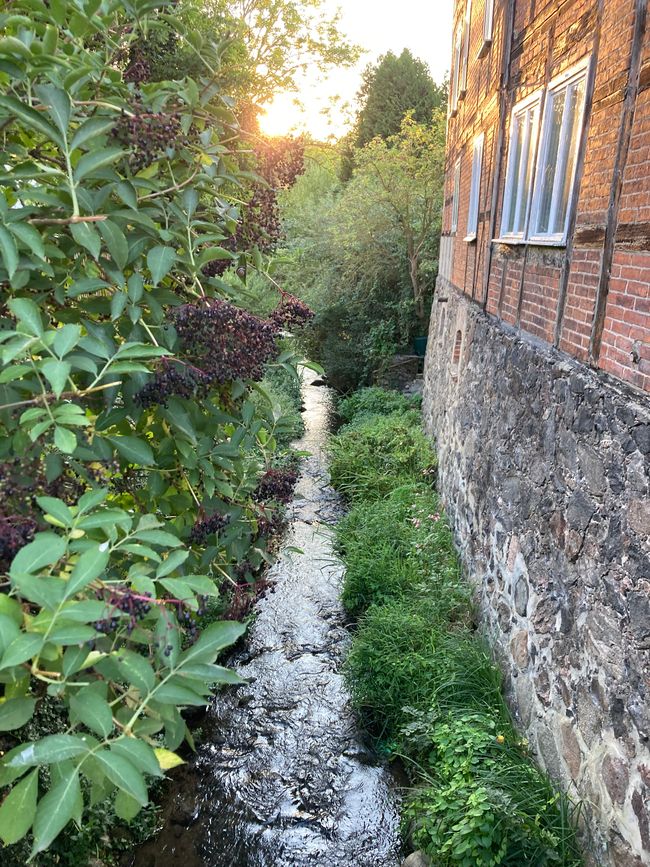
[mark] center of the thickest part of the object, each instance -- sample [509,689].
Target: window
[455,79]
[488,21]
[456,200]
[460,60]
[521,159]
[537,197]
[475,191]
[558,156]
[465,54]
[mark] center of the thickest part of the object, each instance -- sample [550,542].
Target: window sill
[484,49]
[469,238]
[531,242]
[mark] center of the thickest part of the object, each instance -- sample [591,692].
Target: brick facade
[536,387]
[588,296]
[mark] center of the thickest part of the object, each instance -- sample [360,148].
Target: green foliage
[364,254]
[379,453]
[483,802]
[121,517]
[391,88]
[423,681]
[375,401]
[281,389]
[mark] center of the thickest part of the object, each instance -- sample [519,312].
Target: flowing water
[284,777]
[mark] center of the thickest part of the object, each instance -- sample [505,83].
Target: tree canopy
[392,87]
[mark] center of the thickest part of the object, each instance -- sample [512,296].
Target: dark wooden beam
[508,30]
[624,136]
[580,167]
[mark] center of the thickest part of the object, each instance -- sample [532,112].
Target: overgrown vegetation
[139,455]
[419,672]
[362,241]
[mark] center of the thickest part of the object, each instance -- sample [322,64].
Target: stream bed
[284,777]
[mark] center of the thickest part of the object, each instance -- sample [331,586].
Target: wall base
[545,473]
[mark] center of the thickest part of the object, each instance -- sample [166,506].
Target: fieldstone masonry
[544,469]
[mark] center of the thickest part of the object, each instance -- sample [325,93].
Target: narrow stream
[284,777]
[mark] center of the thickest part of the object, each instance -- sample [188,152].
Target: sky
[423,26]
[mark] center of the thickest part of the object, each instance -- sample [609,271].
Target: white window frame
[561,82]
[456,71]
[465,53]
[475,189]
[488,24]
[455,202]
[534,103]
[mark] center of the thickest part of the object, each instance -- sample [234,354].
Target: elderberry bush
[202,530]
[276,485]
[147,134]
[291,312]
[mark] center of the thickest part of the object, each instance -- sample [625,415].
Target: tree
[281,39]
[390,89]
[405,176]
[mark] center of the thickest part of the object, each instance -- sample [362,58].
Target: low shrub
[375,455]
[375,401]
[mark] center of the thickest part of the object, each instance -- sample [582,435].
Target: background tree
[392,87]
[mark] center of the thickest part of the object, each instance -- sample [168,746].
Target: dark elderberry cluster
[224,341]
[277,485]
[270,523]
[291,313]
[16,531]
[122,600]
[173,379]
[202,529]
[146,134]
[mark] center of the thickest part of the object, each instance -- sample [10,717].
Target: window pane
[529,128]
[513,174]
[573,105]
[555,106]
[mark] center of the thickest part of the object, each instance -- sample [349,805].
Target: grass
[420,675]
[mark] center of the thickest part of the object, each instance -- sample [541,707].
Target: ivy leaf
[159,262]
[55,810]
[45,549]
[134,449]
[15,712]
[18,809]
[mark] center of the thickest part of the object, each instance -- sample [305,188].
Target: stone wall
[544,469]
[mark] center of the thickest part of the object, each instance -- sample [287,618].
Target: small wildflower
[500,739]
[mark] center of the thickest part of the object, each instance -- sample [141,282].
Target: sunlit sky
[423,26]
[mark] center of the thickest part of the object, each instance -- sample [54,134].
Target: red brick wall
[552,293]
